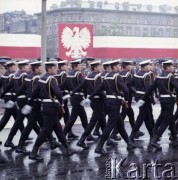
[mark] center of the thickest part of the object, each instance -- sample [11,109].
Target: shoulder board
[73,76]
[93,78]
[113,77]
[6,77]
[46,81]
[19,76]
[165,77]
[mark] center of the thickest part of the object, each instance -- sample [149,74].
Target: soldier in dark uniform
[116,91]
[176,113]
[16,84]
[75,78]
[107,69]
[61,76]
[35,116]
[142,82]
[4,81]
[91,83]
[166,84]
[50,94]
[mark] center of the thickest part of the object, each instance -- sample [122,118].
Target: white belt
[77,93]
[140,92]
[22,96]
[9,94]
[94,96]
[34,99]
[112,96]
[49,100]
[167,95]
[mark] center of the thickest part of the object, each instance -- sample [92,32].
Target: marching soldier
[35,116]
[115,90]
[75,78]
[48,91]
[142,82]
[91,83]
[16,84]
[61,77]
[4,81]
[107,69]
[166,84]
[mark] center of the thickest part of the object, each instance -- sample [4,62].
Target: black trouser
[143,116]
[98,115]
[167,120]
[176,118]
[34,117]
[77,110]
[7,115]
[50,123]
[66,114]
[19,121]
[114,119]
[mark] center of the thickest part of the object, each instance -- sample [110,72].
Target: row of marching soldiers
[43,100]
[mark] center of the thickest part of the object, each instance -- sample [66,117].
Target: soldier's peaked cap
[115,62]
[62,62]
[50,63]
[95,63]
[36,63]
[144,63]
[168,62]
[23,63]
[107,63]
[76,61]
[127,62]
[10,63]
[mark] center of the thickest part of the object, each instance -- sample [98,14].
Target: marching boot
[34,155]
[131,138]
[154,143]
[29,139]
[115,137]
[9,143]
[91,138]
[71,135]
[81,142]
[99,149]
[70,151]
[139,134]
[110,142]
[131,145]
[21,149]
[54,145]
[0,142]
[96,133]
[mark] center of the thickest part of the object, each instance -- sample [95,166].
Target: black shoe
[34,156]
[29,139]
[90,138]
[131,146]
[131,140]
[70,151]
[156,145]
[55,145]
[0,142]
[101,151]
[9,144]
[111,143]
[96,133]
[71,135]
[115,137]
[174,143]
[22,150]
[82,144]
[139,134]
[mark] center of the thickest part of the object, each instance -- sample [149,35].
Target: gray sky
[33,6]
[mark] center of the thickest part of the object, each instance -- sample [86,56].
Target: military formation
[108,88]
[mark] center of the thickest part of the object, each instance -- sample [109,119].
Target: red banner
[75,41]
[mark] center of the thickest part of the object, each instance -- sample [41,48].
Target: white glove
[9,104]
[26,109]
[85,102]
[140,103]
[66,97]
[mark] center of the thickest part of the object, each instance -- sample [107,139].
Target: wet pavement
[86,164]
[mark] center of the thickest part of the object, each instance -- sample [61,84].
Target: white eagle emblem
[76,41]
